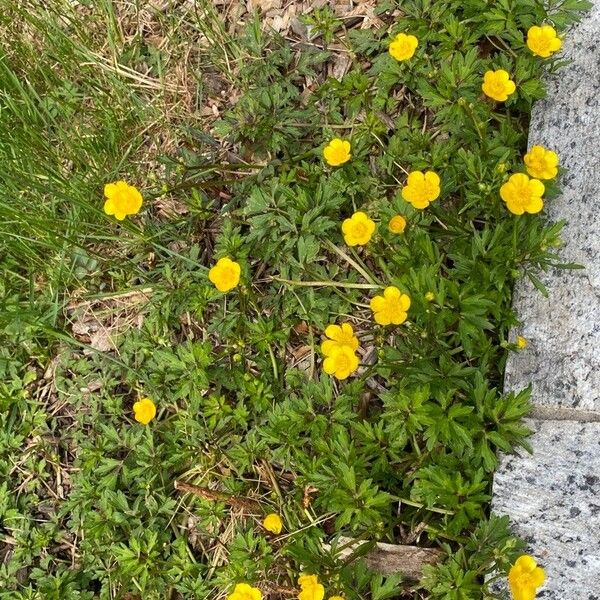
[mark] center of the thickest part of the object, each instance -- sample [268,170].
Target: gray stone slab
[563,357]
[553,499]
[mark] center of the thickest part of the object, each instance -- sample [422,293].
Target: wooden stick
[390,559]
[213,496]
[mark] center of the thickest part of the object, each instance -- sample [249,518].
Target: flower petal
[329,365]
[377,303]
[391,292]
[432,178]
[333,332]
[110,189]
[526,562]
[328,346]
[346,330]
[405,302]
[536,187]
[535,205]
[109,206]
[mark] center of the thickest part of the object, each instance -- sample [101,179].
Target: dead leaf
[102,341]
[309,490]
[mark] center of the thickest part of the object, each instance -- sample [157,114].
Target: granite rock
[553,499]
[563,357]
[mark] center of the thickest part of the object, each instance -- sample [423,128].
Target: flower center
[428,189]
[121,198]
[526,580]
[339,153]
[523,194]
[498,87]
[342,361]
[543,43]
[360,229]
[538,163]
[420,191]
[227,274]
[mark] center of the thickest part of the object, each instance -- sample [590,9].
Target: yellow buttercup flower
[521,342]
[391,308]
[358,229]
[522,194]
[337,152]
[429,296]
[225,275]
[273,523]
[421,188]
[339,335]
[541,163]
[525,577]
[144,411]
[403,46]
[498,85]
[543,41]
[311,588]
[397,224]
[122,199]
[244,591]
[341,362]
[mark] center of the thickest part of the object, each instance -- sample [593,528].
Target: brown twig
[212,496]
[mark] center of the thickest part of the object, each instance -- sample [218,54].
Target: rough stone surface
[553,496]
[553,499]
[563,357]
